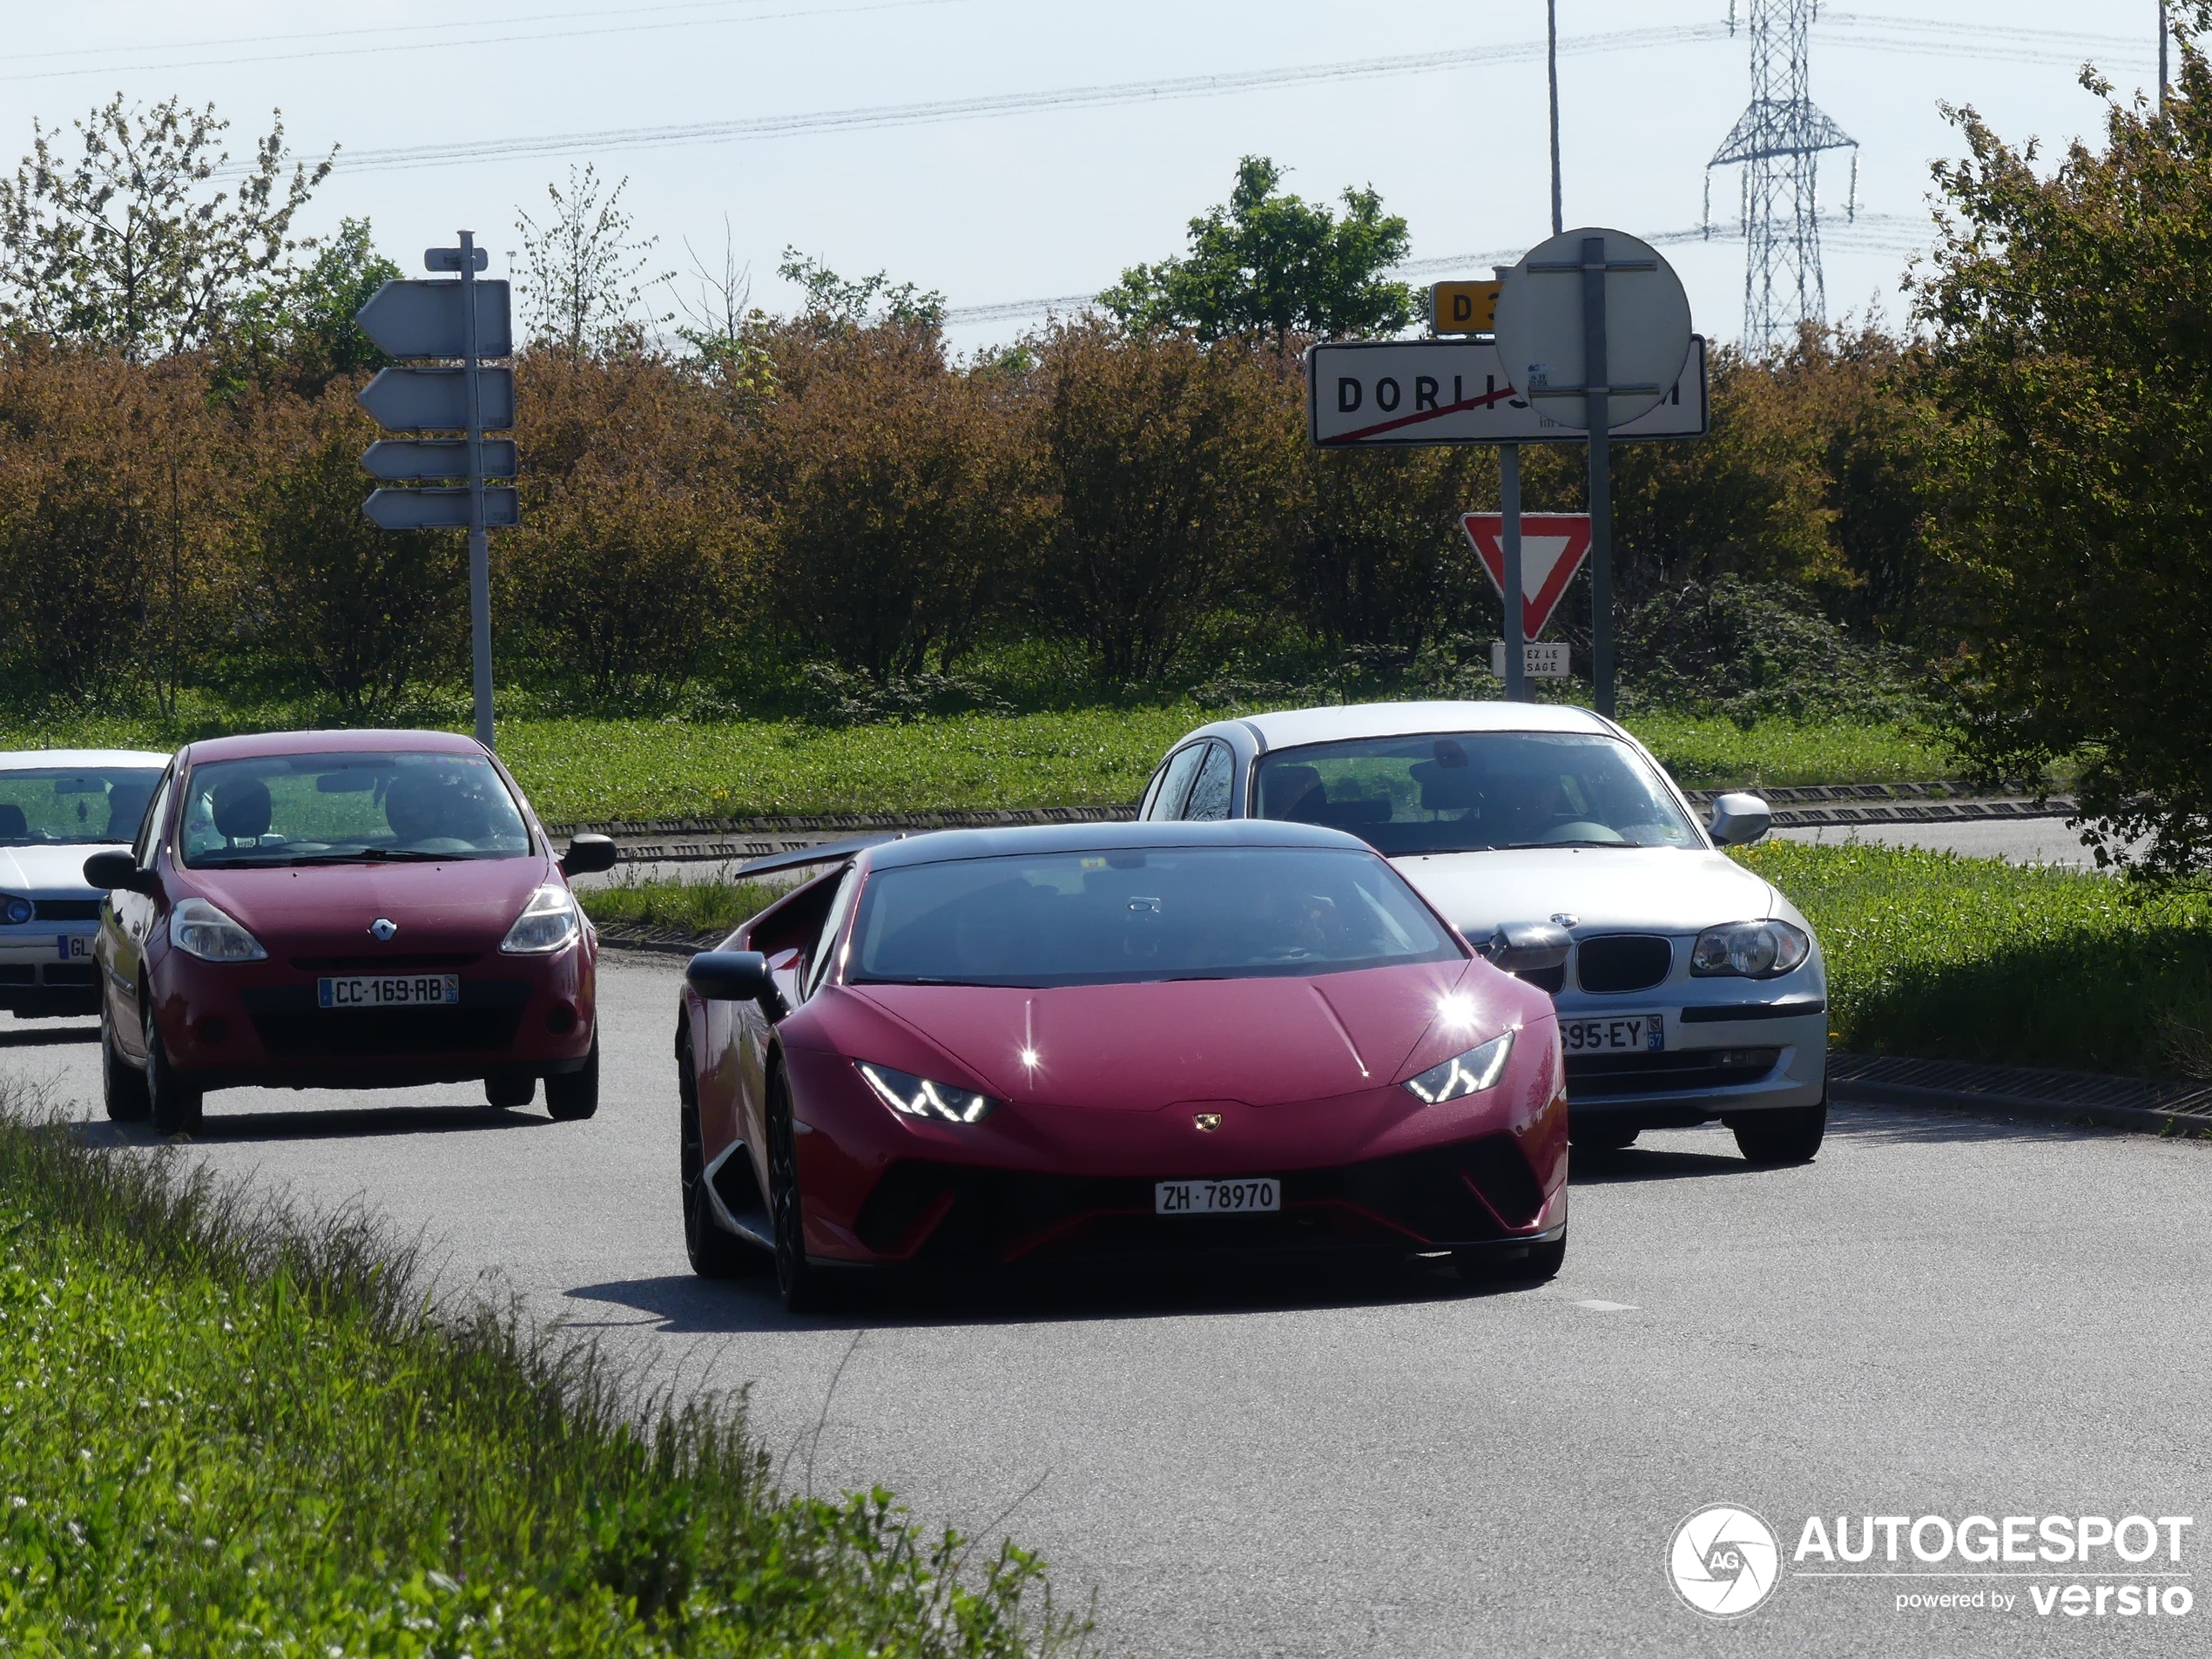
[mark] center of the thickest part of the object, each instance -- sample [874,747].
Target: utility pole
[1551,64]
[2162,57]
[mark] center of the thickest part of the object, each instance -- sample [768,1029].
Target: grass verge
[698,907]
[1942,957]
[232,1431]
[632,770]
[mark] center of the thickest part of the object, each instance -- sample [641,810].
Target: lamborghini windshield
[1474,791]
[1129,914]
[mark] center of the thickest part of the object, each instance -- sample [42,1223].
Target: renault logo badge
[382,930]
[1207,1122]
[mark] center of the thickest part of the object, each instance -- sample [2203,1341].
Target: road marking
[1596,1306]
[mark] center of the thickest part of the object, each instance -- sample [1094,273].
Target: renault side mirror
[111,871]
[588,855]
[1529,946]
[1738,821]
[736,976]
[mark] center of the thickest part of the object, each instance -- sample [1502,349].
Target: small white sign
[1540,660]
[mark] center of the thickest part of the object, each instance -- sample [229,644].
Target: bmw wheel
[1791,1135]
[714,1253]
[175,1101]
[122,1086]
[800,1281]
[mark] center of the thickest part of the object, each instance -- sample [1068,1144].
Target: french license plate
[76,947]
[389,991]
[1616,1034]
[1249,1197]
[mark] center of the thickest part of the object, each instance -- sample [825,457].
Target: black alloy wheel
[122,1086]
[800,1282]
[714,1253]
[1790,1136]
[571,1097]
[1599,1134]
[175,1101]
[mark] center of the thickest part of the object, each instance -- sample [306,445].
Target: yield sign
[1552,547]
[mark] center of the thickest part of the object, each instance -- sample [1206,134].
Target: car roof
[25,760]
[1290,728]
[941,847]
[260,745]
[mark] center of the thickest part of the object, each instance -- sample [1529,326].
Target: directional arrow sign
[1552,547]
[404,461]
[436,400]
[411,319]
[442,509]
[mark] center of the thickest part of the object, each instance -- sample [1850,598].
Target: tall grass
[695,907]
[231,1428]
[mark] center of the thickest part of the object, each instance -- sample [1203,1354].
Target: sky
[996,207]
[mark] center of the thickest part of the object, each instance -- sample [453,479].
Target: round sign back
[1542,333]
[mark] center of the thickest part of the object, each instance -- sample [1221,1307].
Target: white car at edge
[57,807]
[1693,989]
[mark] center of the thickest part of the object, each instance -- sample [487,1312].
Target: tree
[1274,264]
[580,268]
[299,330]
[1378,556]
[832,300]
[125,248]
[2069,352]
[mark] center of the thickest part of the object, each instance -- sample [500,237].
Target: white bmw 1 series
[57,807]
[1688,988]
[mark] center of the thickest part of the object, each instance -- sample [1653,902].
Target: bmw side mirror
[1738,821]
[736,976]
[111,871]
[1529,946]
[588,855]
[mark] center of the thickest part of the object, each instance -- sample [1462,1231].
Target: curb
[2038,1095]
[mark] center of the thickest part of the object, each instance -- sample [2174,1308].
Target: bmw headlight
[548,922]
[913,1096]
[1463,1074]
[16,912]
[199,928]
[1749,950]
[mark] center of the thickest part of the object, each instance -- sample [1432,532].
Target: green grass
[227,1432]
[1942,957]
[696,908]
[589,770]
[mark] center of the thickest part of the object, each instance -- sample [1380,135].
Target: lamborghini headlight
[197,929]
[913,1096]
[1749,950]
[548,922]
[1464,1074]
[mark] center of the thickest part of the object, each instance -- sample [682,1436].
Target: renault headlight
[197,929]
[913,1096]
[1463,1074]
[548,922]
[1749,950]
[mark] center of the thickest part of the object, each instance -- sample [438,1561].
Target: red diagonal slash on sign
[1483,402]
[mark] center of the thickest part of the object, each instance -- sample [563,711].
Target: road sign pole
[1509,537]
[1600,424]
[479,541]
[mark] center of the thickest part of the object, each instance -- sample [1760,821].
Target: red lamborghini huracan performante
[1000,1046]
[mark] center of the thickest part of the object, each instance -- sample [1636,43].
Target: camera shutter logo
[1724,1562]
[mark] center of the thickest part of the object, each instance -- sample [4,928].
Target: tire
[510,1093]
[799,1280]
[122,1086]
[1601,1136]
[1772,1139]
[176,1102]
[571,1097]
[714,1253]
[1542,1264]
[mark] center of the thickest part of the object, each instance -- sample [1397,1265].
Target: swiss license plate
[388,991]
[1616,1034]
[1248,1198]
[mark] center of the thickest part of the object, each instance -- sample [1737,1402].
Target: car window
[1470,790]
[818,959]
[1129,914]
[1176,783]
[149,824]
[73,805]
[349,808]
[1210,792]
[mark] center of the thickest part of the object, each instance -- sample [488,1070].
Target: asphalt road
[2017,840]
[1942,1316]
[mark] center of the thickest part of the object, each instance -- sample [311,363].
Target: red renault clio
[347,910]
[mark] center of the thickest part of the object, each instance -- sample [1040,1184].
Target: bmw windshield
[349,809]
[1134,914]
[1475,791]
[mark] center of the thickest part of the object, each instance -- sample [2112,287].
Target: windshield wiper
[1524,847]
[378,855]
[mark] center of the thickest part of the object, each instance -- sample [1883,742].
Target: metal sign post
[468,319]
[1510,587]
